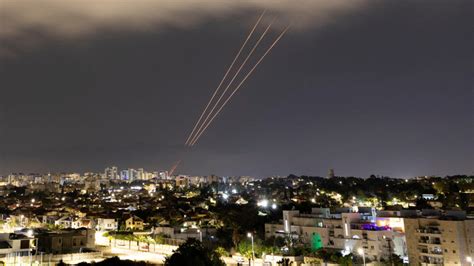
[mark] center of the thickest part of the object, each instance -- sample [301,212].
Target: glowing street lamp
[469,259]
[263,203]
[362,253]
[250,235]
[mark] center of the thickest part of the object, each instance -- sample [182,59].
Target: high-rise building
[132,174]
[124,175]
[141,174]
[111,173]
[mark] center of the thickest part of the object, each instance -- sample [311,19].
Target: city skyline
[376,88]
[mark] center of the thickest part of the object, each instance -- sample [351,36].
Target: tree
[245,248]
[193,253]
[235,237]
[222,252]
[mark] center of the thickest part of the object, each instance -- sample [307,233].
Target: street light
[362,253]
[200,234]
[250,235]
[469,259]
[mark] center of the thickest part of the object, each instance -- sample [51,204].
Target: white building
[108,224]
[12,245]
[343,230]
[446,239]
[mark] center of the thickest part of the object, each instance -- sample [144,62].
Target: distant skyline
[373,87]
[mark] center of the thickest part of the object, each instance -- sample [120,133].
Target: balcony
[429,242]
[428,231]
[431,255]
[430,261]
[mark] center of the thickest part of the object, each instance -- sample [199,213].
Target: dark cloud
[72,19]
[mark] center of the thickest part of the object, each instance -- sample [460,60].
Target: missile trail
[232,80]
[225,75]
[173,168]
[239,85]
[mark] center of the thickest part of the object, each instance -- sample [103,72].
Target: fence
[50,259]
[166,249]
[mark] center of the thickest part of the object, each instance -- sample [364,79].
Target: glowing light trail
[199,134]
[225,76]
[170,173]
[232,80]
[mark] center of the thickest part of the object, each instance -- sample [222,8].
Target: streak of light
[199,134]
[174,168]
[232,80]
[225,75]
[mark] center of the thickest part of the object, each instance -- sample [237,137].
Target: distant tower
[331,173]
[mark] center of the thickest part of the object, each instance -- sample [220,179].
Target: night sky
[384,88]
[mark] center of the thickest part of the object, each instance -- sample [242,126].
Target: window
[454,251]
[25,244]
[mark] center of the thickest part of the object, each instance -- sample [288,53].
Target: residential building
[66,241]
[134,223]
[109,224]
[64,222]
[20,244]
[83,222]
[182,181]
[111,173]
[447,239]
[344,230]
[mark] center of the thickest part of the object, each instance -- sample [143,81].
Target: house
[134,223]
[83,223]
[17,243]
[66,241]
[64,222]
[108,224]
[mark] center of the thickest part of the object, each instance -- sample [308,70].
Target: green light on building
[316,242]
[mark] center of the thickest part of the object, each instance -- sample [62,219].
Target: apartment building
[444,239]
[345,230]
